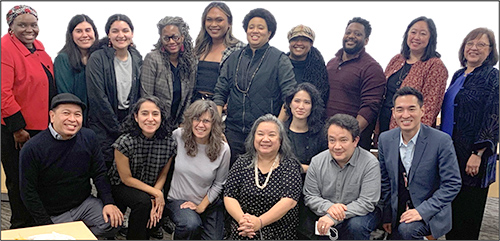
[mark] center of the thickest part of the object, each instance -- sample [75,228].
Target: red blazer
[25,86]
[428,77]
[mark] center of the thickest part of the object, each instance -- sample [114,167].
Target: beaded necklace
[268,174]
[253,75]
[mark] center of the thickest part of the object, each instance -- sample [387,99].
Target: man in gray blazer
[420,174]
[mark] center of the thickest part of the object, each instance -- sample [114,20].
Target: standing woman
[27,89]
[113,85]
[201,168]
[255,80]
[143,154]
[418,66]
[169,71]
[214,44]
[470,117]
[264,185]
[70,63]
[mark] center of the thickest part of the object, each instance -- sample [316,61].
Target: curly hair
[204,41]
[130,125]
[70,47]
[430,50]
[187,59]
[364,22]
[315,119]
[215,141]
[272,25]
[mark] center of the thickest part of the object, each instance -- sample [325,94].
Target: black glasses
[176,38]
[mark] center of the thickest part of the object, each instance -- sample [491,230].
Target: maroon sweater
[356,86]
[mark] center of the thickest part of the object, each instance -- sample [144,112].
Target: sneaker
[168,225]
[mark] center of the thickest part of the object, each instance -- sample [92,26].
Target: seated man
[342,184]
[420,174]
[55,171]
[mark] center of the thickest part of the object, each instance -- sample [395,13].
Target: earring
[182,48]
[109,43]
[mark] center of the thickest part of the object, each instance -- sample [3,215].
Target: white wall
[327,18]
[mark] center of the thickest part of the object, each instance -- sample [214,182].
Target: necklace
[403,73]
[268,174]
[253,75]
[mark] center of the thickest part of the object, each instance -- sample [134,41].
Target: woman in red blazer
[27,87]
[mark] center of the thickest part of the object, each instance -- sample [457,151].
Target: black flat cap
[66,98]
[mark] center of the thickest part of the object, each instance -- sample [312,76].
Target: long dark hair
[70,47]
[315,119]
[430,50]
[204,41]
[215,141]
[129,125]
[113,18]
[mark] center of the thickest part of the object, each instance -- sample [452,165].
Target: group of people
[291,157]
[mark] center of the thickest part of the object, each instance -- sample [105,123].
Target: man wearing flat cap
[308,63]
[55,171]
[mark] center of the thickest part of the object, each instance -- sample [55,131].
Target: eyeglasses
[204,121]
[174,37]
[479,45]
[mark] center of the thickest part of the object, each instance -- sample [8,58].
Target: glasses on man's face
[479,45]
[176,38]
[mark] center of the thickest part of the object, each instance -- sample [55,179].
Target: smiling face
[408,114]
[120,35]
[66,119]
[216,23]
[257,33]
[171,39]
[202,126]
[341,144]
[148,118]
[267,139]
[477,50]
[354,38]
[25,28]
[299,48]
[83,35]
[301,105]
[418,37]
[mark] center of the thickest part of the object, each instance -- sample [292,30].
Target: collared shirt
[406,151]
[56,135]
[356,185]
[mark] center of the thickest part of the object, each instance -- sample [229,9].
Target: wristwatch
[477,153]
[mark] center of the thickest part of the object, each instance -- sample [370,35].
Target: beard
[359,45]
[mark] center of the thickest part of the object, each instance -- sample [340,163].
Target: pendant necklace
[268,174]
[253,75]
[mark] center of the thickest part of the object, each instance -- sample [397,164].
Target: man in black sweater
[55,171]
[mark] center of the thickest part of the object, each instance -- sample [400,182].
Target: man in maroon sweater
[357,81]
[55,171]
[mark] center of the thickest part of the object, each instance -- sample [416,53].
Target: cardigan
[25,85]
[429,77]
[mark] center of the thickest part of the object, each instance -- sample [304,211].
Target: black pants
[140,206]
[467,211]
[236,141]
[21,217]
[365,137]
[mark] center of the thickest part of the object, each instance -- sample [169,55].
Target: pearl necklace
[268,174]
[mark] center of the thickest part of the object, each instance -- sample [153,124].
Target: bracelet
[477,153]
[260,223]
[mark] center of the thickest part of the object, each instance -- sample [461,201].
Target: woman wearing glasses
[470,116]
[200,171]
[169,71]
[418,66]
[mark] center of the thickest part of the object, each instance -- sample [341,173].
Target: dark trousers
[21,217]
[467,213]
[189,225]
[236,141]
[365,137]
[140,206]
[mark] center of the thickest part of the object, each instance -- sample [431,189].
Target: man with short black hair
[357,81]
[420,174]
[342,184]
[55,171]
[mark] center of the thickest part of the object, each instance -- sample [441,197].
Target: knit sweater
[55,174]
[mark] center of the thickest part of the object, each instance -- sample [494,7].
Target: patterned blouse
[147,157]
[285,182]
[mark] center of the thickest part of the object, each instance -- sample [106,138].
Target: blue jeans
[359,227]
[190,225]
[413,230]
